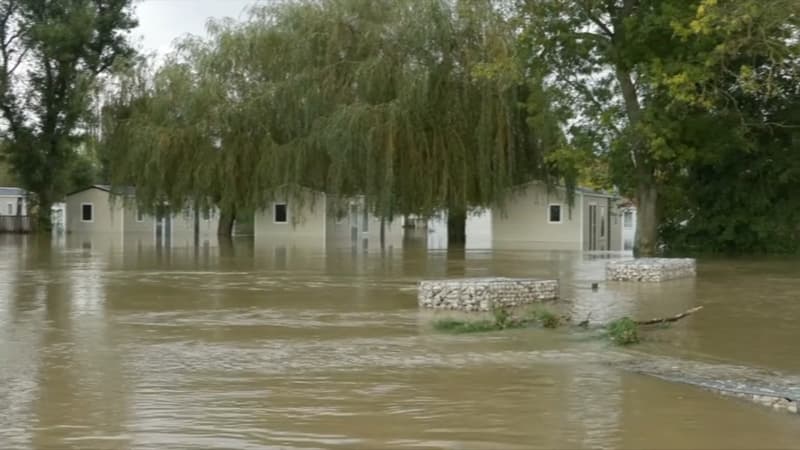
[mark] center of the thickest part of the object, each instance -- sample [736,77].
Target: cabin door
[592,227]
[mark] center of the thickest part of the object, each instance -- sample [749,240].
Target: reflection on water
[111,343]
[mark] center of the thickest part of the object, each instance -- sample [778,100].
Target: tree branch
[599,38]
[674,318]
[596,20]
[585,92]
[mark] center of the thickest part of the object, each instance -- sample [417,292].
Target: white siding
[133,226]
[305,223]
[525,220]
[345,225]
[183,224]
[8,205]
[108,214]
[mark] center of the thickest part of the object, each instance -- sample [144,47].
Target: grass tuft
[502,319]
[624,331]
[463,326]
[549,320]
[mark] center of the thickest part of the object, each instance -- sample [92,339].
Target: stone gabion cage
[651,269]
[484,294]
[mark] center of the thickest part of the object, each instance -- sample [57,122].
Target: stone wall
[650,269]
[484,294]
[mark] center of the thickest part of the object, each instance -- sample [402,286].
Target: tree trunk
[456,228]
[646,192]
[43,220]
[226,248]
[647,220]
[227,217]
[196,226]
[383,232]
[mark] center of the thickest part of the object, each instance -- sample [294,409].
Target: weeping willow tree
[184,133]
[419,106]
[158,133]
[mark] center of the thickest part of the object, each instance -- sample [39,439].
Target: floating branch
[674,318]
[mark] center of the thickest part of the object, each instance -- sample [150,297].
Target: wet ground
[118,344]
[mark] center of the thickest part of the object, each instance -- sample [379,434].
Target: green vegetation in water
[502,319]
[547,319]
[624,331]
[467,326]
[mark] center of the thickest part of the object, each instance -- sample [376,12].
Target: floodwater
[119,344]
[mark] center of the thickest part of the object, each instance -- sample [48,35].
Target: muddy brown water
[118,344]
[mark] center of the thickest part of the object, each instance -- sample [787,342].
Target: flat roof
[12,191]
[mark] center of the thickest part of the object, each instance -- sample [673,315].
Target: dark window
[139,215]
[602,222]
[279,214]
[87,212]
[554,215]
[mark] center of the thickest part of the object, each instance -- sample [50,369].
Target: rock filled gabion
[484,294]
[650,269]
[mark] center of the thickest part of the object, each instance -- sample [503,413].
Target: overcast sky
[162,21]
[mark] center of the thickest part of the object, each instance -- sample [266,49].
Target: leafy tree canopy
[51,55]
[419,105]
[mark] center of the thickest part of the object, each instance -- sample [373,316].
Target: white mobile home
[96,210]
[317,219]
[541,217]
[13,201]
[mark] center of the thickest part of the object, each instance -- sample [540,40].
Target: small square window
[627,219]
[554,214]
[279,213]
[87,212]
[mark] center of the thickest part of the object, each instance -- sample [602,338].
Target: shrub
[462,326]
[623,331]
[502,317]
[548,319]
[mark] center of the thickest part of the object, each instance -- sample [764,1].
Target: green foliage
[6,177]
[51,55]
[82,172]
[545,318]
[623,331]
[461,326]
[549,320]
[160,132]
[502,319]
[726,198]
[596,56]
[419,105]
[689,101]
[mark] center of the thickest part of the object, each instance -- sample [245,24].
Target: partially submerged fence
[16,224]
